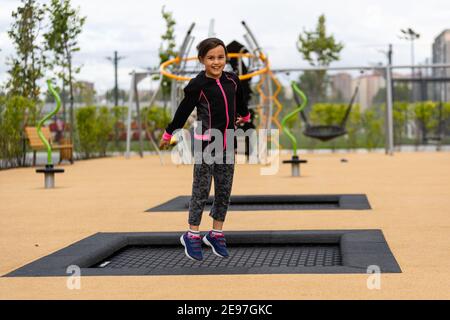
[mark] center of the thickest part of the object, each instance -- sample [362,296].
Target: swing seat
[324,132]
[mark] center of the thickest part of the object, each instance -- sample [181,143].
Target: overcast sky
[134,27]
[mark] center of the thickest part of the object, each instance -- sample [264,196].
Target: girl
[220,105]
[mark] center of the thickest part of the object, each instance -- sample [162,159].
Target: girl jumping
[218,97]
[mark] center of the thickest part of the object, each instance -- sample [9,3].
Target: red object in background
[57,128]
[120,125]
[53,127]
[135,136]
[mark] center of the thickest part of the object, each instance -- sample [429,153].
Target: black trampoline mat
[275,202]
[251,252]
[250,256]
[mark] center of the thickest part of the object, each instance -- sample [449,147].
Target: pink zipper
[226,107]
[209,110]
[235,92]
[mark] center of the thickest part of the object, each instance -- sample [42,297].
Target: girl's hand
[163,144]
[239,121]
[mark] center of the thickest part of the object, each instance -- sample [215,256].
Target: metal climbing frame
[268,97]
[259,66]
[176,86]
[137,77]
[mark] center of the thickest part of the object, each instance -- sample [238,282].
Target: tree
[110,95]
[401,92]
[401,116]
[153,119]
[65,27]
[167,52]
[426,116]
[84,93]
[26,67]
[373,128]
[15,113]
[314,84]
[319,49]
[94,130]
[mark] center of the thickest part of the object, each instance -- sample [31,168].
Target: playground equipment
[295,161]
[49,170]
[324,132]
[177,70]
[267,96]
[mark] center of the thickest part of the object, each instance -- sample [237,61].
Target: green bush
[94,127]
[372,126]
[401,114]
[353,126]
[155,120]
[327,113]
[16,113]
[86,128]
[333,114]
[104,129]
[426,114]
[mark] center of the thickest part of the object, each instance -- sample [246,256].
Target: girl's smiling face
[214,62]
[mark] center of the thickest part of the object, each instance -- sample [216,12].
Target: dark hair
[208,44]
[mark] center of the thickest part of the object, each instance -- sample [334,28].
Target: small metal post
[389,106]
[270,96]
[49,180]
[130,107]
[49,175]
[138,117]
[295,170]
[295,163]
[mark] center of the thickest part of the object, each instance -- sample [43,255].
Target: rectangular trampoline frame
[359,249]
[275,202]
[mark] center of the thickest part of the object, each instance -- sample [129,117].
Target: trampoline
[275,202]
[251,252]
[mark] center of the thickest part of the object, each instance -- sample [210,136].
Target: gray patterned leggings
[201,185]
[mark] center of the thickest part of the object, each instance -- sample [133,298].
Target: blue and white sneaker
[217,243]
[192,246]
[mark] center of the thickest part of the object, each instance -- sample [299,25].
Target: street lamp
[411,35]
[115,61]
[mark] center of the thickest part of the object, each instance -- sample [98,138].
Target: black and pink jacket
[218,102]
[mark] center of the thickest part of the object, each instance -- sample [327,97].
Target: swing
[324,132]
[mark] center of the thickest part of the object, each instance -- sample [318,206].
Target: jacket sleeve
[241,105]
[184,110]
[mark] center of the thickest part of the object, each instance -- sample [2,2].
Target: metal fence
[394,106]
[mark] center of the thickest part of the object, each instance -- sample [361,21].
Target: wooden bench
[65,148]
